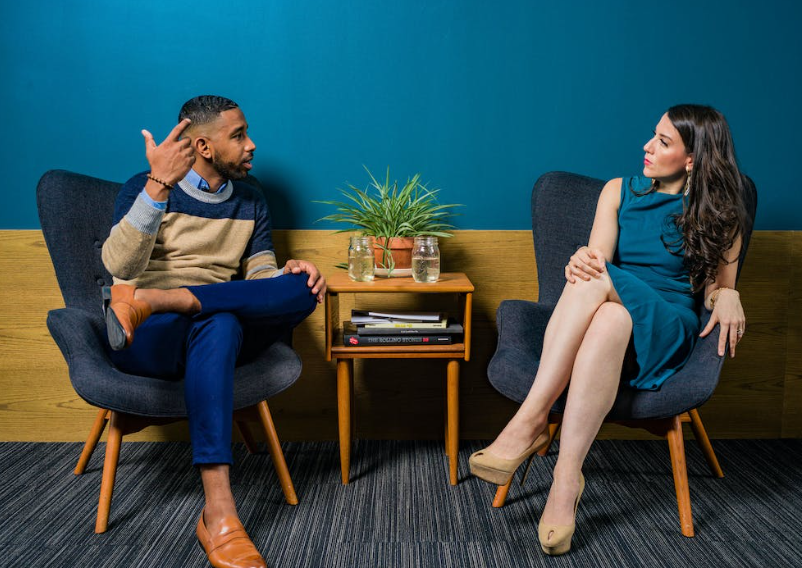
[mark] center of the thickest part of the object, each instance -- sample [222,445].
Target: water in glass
[425,259]
[360,260]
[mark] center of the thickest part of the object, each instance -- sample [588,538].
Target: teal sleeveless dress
[653,284]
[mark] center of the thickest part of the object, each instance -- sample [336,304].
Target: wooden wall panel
[792,396]
[760,394]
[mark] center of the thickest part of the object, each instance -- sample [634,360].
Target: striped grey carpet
[399,510]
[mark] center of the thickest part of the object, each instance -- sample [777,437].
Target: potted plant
[393,215]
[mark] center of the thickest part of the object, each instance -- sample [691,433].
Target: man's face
[232,148]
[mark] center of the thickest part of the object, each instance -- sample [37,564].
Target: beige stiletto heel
[485,465]
[561,535]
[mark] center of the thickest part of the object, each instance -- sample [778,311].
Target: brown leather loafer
[231,547]
[124,314]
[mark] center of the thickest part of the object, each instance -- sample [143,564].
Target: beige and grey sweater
[201,237]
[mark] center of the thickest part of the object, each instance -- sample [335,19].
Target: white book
[362,316]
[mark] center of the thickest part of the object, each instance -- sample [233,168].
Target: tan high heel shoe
[494,469]
[561,535]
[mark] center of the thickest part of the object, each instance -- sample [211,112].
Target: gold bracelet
[157,180]
[714,295]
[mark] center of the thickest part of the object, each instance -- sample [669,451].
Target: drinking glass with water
[360,260]
[425,259]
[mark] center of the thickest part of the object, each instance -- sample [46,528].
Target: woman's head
[667,158]
[714,214]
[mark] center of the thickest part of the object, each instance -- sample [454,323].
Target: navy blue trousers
[237,320]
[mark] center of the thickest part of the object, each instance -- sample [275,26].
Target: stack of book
[400,328]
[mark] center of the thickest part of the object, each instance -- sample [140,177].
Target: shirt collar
[195,179]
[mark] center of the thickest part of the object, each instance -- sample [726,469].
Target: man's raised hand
[172,159]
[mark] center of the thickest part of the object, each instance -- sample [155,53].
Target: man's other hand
[172,159]
[316,281]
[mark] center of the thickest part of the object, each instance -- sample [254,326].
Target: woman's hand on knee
[585,263]
[316,281]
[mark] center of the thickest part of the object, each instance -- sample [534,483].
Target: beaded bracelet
[157,180]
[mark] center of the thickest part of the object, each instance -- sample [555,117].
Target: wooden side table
[449,283]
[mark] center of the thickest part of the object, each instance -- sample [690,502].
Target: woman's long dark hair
[714,214]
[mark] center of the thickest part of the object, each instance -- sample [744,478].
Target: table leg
[344,388]
[453,419]
[445,418]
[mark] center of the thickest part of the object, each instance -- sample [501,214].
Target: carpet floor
[399,510]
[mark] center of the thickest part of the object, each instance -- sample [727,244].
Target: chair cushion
[79,335]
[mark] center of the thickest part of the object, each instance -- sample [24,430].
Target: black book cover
[353,339]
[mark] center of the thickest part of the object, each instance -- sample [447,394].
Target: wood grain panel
[792,396]
[760,394]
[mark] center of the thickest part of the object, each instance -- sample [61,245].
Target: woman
[657,241]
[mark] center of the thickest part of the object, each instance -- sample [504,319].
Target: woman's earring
[687,182]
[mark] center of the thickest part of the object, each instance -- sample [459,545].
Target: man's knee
[299,294]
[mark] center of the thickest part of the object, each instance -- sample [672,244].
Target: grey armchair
[76,213]
[522,324]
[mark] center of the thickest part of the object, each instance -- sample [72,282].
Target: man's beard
[228,170]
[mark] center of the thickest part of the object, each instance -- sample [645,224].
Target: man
[197,289]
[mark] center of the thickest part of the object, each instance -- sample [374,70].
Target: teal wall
[480,97]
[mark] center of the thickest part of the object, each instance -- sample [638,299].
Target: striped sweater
[201,237]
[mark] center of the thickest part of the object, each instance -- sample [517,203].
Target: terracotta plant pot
[400,251]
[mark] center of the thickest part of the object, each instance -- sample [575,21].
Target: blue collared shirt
[194,178]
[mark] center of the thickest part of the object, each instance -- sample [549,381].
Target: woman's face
[666,158]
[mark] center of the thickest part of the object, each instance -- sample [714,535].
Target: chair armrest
[521,326]
[79,335]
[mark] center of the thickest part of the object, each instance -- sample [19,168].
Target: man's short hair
[205,109]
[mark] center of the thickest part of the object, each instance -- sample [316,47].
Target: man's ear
[201,146]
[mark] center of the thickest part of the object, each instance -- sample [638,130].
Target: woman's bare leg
[591,393]
[564,334]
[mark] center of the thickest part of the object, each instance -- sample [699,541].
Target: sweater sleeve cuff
[144,217]
[160,205]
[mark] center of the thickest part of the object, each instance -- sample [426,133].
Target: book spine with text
[352,340]
[406,324]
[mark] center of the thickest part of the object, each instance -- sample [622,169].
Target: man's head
[219,136]
[205,109]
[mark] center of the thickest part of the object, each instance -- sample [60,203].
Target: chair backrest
[563,209]
[76,213]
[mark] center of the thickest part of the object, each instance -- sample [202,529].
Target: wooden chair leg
[501,494]
[247,436]
[554,427]
[109,472]
[274,446]
[91,442]
[676,447]
[704,442]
